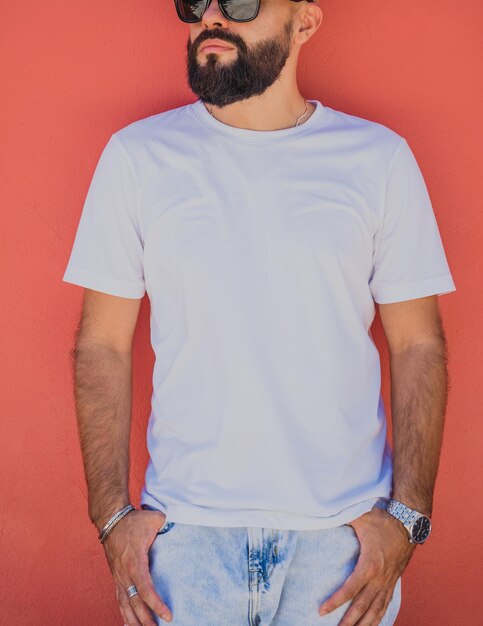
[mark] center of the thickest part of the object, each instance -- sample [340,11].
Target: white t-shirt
[262,253]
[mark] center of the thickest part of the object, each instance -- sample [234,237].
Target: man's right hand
[127,547]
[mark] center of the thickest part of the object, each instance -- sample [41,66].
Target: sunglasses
[191,11]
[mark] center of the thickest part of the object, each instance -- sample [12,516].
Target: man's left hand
[385,551]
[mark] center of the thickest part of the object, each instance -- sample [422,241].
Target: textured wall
[74,72]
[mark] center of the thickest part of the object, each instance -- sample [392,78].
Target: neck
[255,114]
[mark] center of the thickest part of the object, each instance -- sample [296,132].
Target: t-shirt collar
[204,117]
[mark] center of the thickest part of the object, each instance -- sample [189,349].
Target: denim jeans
[253,576]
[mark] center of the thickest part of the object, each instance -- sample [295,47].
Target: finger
[141,610]
[380,607]
[147,593]
[125,607]
[135,603]
[366,609]
[358,579]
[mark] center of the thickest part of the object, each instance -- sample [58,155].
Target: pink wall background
[73,73]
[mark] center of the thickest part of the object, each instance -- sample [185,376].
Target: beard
[254,70]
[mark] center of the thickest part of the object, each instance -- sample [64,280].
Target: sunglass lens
[238,10]
[191,10]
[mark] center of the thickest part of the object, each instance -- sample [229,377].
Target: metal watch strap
[410,519]
[402,512]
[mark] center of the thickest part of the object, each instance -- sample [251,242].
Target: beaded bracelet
[114,520]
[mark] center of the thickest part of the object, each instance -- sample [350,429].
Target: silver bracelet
[114,520]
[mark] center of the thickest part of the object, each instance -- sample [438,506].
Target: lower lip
[215,49]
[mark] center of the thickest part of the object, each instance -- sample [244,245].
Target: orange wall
[74,72]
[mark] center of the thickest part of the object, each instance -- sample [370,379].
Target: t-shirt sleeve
[107,253]
[409,260]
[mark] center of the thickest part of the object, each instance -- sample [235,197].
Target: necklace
[296,123]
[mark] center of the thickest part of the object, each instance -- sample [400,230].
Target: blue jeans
[252,576]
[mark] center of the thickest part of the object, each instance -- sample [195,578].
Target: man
[264,227]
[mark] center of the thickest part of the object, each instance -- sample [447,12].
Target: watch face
[421,529]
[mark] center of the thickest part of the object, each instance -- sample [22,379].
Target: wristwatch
[417,524]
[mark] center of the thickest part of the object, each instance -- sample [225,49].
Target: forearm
[418,405]
[103,408]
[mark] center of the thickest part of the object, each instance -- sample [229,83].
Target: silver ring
[132,591]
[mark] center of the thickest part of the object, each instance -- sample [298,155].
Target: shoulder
[364,135]
[157,127]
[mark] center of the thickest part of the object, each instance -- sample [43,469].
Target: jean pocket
[353,534]
[167,525]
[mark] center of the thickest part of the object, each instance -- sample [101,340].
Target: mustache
[212,35]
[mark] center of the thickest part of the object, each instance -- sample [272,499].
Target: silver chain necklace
[296,123]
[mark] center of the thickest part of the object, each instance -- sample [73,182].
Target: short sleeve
[409,260]
[107,253]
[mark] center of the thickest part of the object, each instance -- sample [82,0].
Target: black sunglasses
[191,11]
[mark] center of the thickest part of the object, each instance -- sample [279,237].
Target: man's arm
[418,399]
[102,373]
[419,389]
[102,382]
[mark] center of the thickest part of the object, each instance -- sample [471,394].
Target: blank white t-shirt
[262,253]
